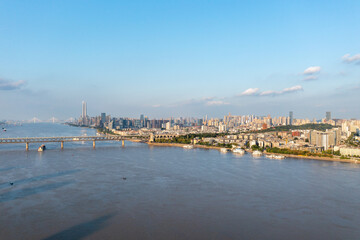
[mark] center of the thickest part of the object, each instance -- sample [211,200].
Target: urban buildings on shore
[244,130]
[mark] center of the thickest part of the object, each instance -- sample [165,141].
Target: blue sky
[179,58]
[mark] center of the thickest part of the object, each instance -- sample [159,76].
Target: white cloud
[205,101]
[310,78]
[354,59]
[292,89]
[249,92]
[208,98]
[216,103]
[11,85]
[312,70]
[296,88]
[270,92]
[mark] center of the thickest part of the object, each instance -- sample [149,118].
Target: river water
[144,192]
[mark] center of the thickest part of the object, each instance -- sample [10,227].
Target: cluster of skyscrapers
[228,122]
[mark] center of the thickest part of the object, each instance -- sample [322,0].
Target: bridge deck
[63,139]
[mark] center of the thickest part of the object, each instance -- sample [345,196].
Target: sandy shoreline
[285,155]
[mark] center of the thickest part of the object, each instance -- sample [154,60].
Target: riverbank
[315,158]
[334,159]
[182,145]
[249,151]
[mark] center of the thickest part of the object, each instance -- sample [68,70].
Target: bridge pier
[94,144]
[123,143]
[27,146]
[62,145]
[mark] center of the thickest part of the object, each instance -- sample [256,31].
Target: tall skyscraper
[84,110]
[103,118]
[328,116]
[291,118]
[142,121]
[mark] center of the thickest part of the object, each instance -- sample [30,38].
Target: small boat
[272,156]
[238,150]
[257,153]
[188,146]
[224,150]
[41,148]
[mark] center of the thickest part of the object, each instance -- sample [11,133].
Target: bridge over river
[61,140]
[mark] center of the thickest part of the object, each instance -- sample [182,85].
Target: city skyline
[84,117]
[101,120]
[177,59]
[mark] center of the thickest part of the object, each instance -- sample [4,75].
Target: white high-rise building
[84,110]
[168,125]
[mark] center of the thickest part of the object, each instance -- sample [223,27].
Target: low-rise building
[347,151]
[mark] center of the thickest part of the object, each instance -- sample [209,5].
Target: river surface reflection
[143,192]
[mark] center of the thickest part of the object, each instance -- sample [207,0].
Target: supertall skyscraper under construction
[84,110]
[84,117]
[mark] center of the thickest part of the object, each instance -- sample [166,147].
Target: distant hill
[308,126]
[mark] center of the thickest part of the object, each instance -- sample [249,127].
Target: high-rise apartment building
[328,116]
[326,139]
[168,125]
[291,118]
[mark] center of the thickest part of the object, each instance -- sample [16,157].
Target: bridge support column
[123,143]
[93,144]
[27,147]
[62,145]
